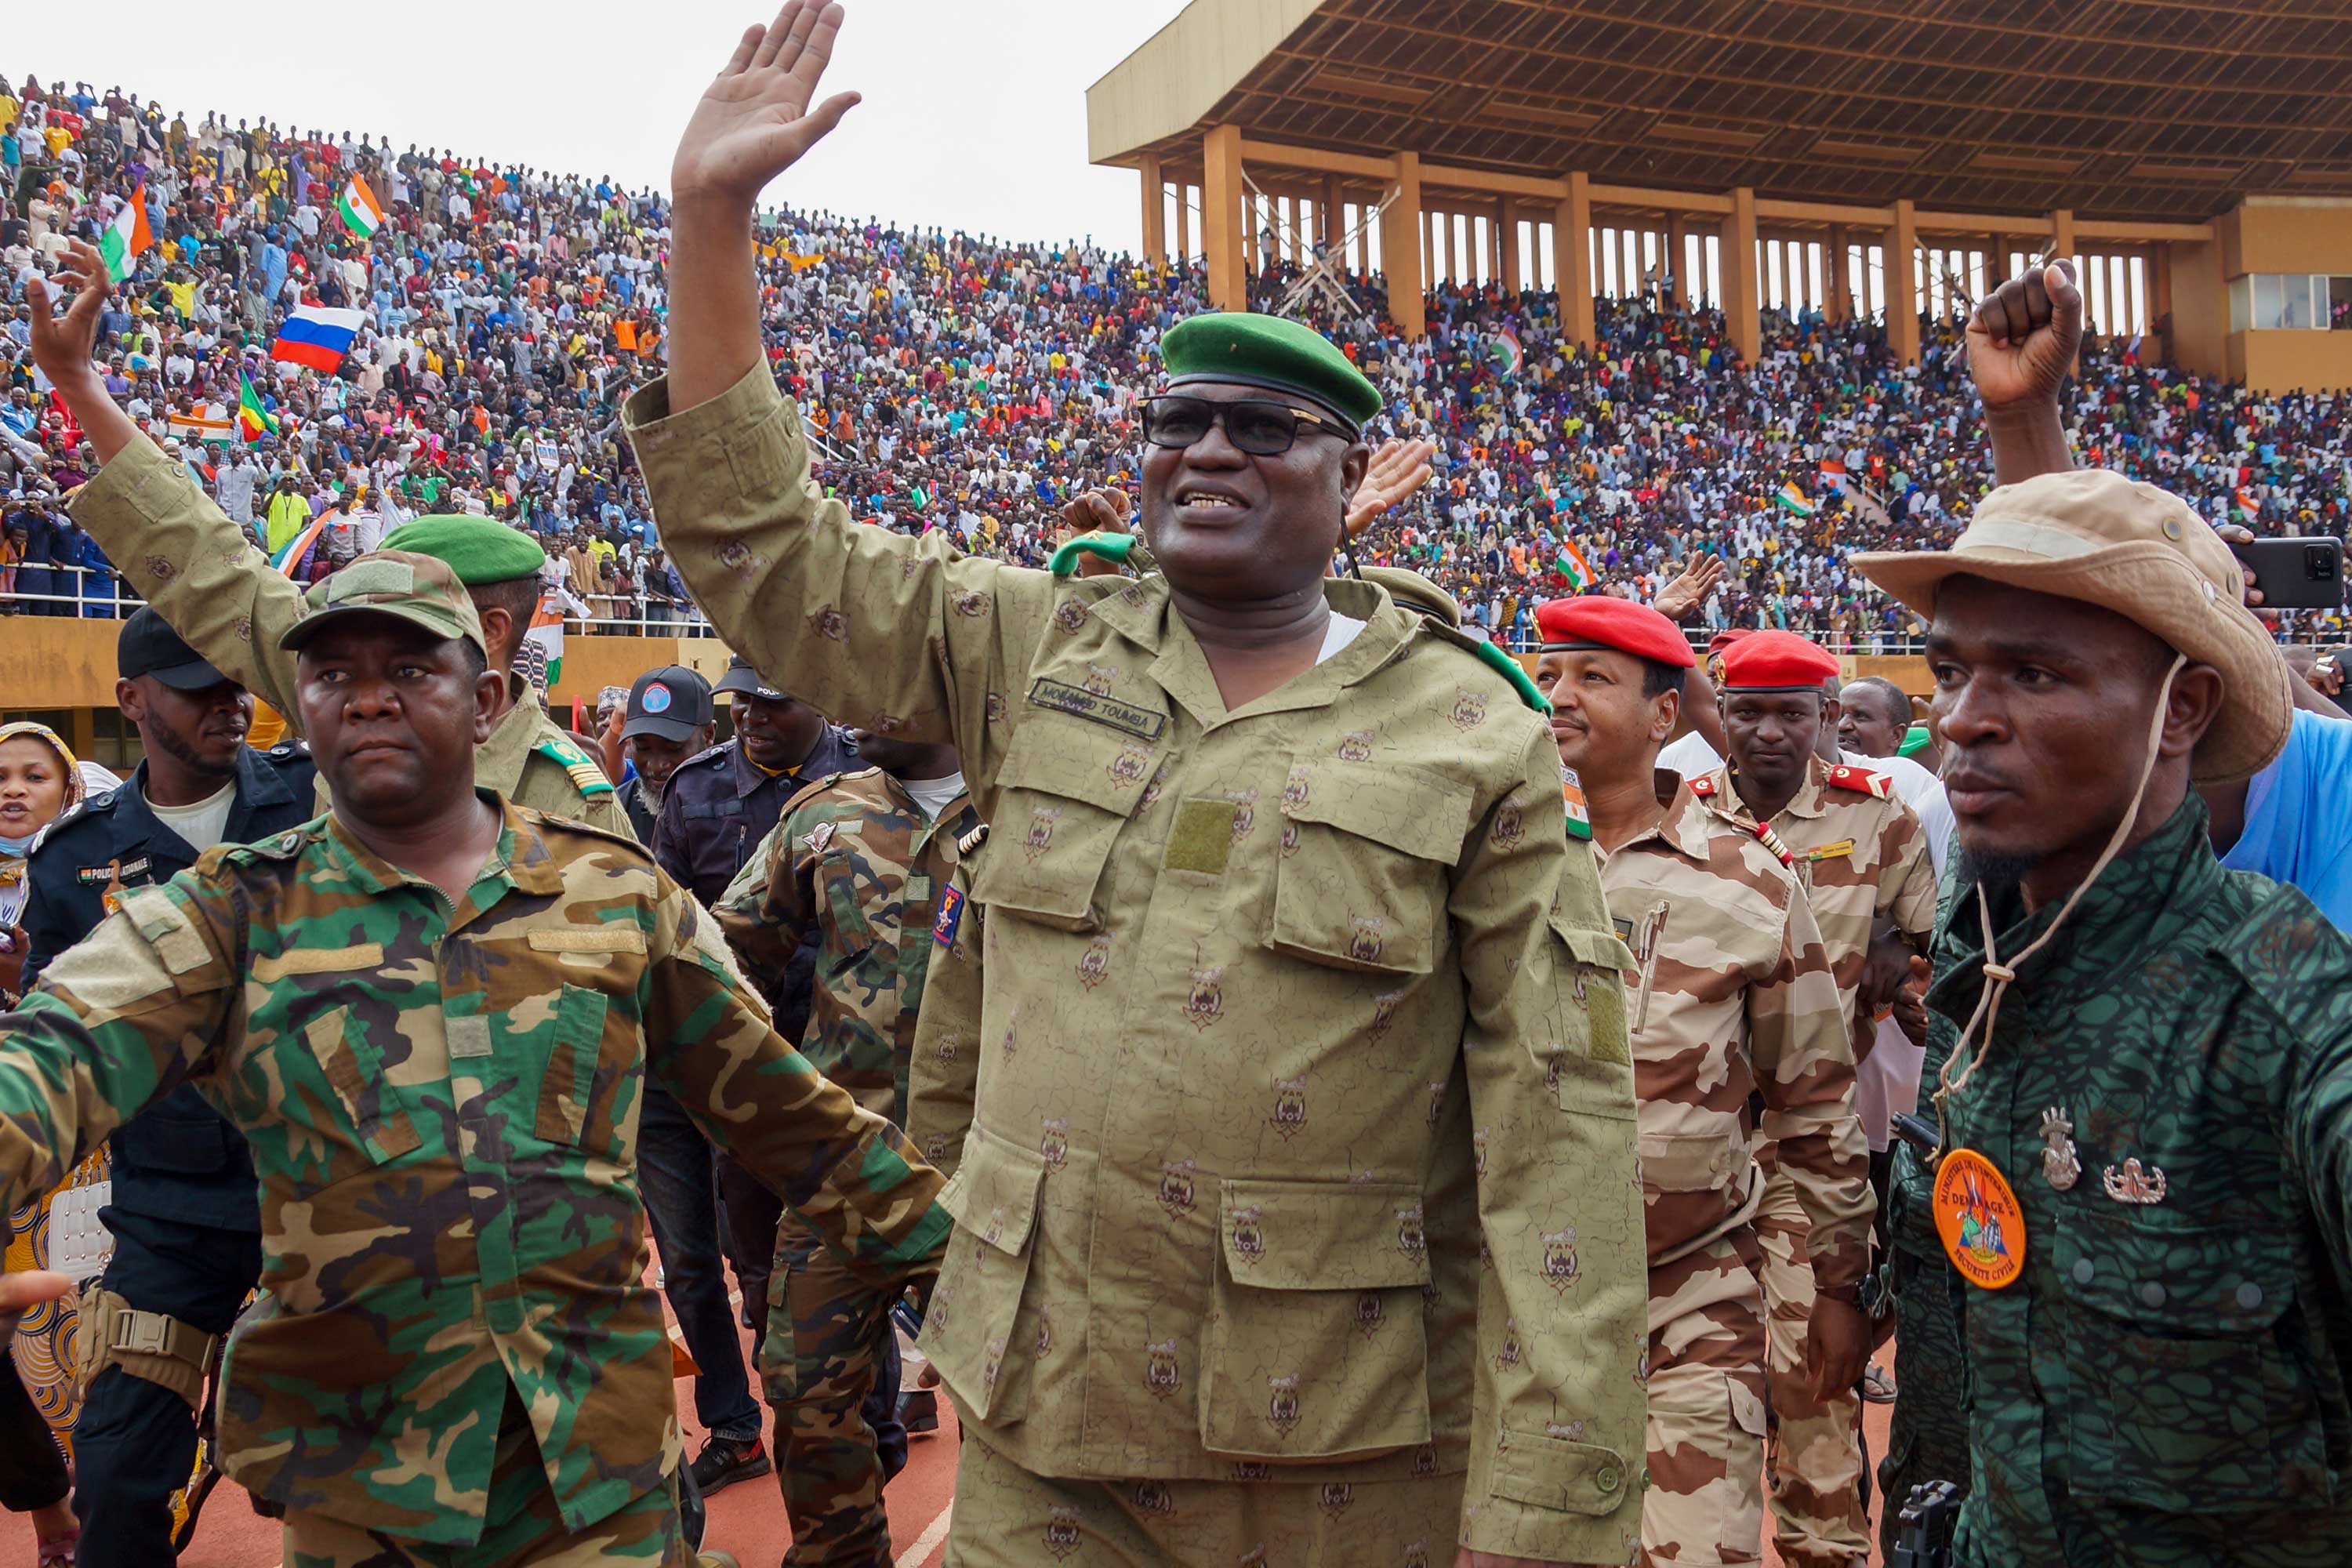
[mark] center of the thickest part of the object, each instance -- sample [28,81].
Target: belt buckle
[143,1333]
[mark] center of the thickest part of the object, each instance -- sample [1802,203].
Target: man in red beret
[1863,858]
[1732,995]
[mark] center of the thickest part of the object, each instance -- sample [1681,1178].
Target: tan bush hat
[2092,534]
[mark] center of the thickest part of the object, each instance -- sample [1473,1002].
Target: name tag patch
[1080,703]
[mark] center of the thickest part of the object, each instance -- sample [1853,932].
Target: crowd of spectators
[976,385]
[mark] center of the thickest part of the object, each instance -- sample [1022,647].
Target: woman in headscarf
[39,781]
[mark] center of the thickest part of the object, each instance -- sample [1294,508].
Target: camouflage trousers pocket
[1706,1440]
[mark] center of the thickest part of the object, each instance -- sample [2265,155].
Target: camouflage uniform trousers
[1705,1435]
[521,1526]
[1929,1439]
[1007,1517]
[1815,1459]
[819,1367]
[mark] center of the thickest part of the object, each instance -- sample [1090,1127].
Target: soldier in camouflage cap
[433,1013]
[860,861]
[1732,998]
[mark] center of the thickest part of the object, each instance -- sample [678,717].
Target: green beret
[1243,348]
[479,549]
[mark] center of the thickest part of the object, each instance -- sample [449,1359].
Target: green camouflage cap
[1244,348]
[415,588]
[479,549]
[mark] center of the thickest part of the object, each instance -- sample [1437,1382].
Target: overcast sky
[975,115]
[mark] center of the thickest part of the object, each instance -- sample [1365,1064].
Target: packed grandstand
[320,326]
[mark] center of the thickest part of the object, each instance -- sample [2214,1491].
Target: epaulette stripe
[589,778]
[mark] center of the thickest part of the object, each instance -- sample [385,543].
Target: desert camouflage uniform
[1731,997]
[853,862]
[1863,858]
[441,1104]
[203,576]
[1303,1155]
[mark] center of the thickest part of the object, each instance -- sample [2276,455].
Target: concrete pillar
[1184,224]
[1334,226]
[1400,228]
[1740,275]
[1840,302]
[1572,260]
[2062,238]
[1677,248]
[1507,230]
[1902,287]
[2160,302]
[1155,209]
[1223,236]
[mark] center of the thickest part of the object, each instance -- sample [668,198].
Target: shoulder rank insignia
[1703,786]
[971,841]
[818,837]
[586,776]
[1862,780]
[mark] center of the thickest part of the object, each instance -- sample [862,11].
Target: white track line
[928,1541]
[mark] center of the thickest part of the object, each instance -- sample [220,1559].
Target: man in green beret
[201,573]
[1297,1214]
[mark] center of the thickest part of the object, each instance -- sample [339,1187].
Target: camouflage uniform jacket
[442,1107]
[943,1073]
[1731,996]
[1254,980]
[203,575]
[2168,1091]
[853,862]
[1861,857]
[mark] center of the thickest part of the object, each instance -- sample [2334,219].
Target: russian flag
[318,336]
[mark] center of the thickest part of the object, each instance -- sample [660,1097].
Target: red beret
[1599,620]
[1776,661]
[1727,637]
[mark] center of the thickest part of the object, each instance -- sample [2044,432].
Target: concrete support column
[2062,238]
[1155,208]
[1507,230]
[1902,284]
[1334,226]
[1678,263]
[1223,236]
[1740,282]
[1841,303]
[1401,235]
[1184,224]
[2159,347]
[1572,260]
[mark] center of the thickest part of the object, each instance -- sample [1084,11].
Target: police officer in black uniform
[668,719]
[715,810]
[184,1214]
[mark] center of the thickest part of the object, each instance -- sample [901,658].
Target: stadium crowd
[977,385]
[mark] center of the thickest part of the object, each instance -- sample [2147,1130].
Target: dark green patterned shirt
[2169,1092]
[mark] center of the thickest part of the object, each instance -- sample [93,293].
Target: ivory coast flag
[361,213]
[126,236]
[1791,499]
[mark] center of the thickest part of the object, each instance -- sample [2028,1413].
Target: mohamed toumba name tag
[1837,851]
[1080,703]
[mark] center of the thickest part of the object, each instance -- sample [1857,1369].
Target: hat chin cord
[1997,975]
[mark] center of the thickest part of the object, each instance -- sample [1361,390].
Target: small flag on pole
[254,419]
[1832,475]
[291,556]
[207,422]
[1507,353]
[361,213]
[1572,566]
[318,336]
[546,630]
[2243,505]
[127,235]
[1791,499]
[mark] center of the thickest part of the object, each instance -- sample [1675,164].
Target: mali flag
[253,420]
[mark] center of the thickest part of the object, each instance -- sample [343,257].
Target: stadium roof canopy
[2170,109]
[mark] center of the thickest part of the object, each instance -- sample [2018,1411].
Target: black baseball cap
[671,702]
[741,677]
[148,645]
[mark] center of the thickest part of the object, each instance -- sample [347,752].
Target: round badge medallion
[1982,1229]
[657,698]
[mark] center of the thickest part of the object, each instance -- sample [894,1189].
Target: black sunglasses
[1262,429]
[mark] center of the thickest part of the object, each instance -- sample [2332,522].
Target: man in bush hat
[1732,998]
[2146,1110]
